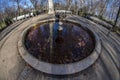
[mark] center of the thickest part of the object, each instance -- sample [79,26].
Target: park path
[13,67]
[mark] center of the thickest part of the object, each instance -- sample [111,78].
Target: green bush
[116,29]
[2,25]
[5,23]
[8,21]
[86,15]
[108,21]
[80,13]
[35,13]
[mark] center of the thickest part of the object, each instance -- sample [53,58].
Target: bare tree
[34,3]
[118,13]
[69,4]
[18,5]
[43,4]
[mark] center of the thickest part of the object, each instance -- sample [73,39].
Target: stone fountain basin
[59,69]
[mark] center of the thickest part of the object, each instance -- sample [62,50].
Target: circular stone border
[59,69]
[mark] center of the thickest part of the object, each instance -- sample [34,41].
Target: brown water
[47,44]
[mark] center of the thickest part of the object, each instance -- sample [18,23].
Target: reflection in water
[46,43]
[51,39]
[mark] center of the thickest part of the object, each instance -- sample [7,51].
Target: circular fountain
[59,47]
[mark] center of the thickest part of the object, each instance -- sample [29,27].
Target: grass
[2,25]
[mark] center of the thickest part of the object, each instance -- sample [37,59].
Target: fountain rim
[45,66]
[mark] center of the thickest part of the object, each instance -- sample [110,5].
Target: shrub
[8,21]
[2,25]
[108,21]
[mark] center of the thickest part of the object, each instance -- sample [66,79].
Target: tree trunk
[104,7]
[18,8]
[118,13]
